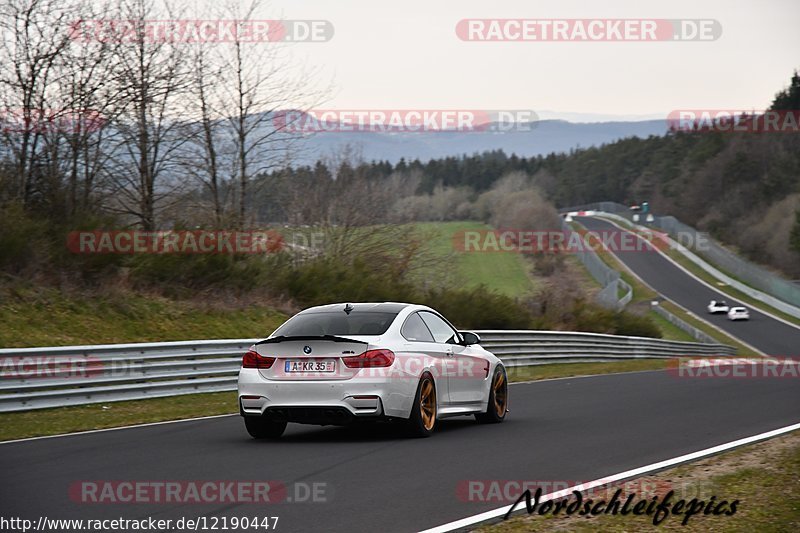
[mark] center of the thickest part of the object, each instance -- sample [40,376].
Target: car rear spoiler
[332,338]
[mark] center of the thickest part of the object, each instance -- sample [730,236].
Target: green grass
[763,477]
[670,330]
[563,370]
[47,317]
[60,420]
[507,273]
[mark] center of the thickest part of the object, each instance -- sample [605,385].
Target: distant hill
[544,137]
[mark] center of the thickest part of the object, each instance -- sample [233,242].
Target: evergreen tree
[789,98]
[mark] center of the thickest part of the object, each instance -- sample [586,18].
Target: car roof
[373,307]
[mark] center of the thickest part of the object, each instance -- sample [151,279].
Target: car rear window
[337,323]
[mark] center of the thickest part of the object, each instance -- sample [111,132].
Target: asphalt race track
[377,480]
[771,336]
[373,478]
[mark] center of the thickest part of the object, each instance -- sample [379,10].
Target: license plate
[301,365]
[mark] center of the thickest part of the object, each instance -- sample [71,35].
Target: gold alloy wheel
[427,404]
[500,389]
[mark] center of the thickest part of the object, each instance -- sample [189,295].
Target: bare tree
[34,39]
[86,90]
[239,89]
[149,76]
[264,81]
[203,157]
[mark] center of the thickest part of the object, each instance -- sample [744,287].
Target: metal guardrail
[680,323]
[79,375]
[606,276]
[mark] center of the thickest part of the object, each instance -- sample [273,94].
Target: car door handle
[449,352]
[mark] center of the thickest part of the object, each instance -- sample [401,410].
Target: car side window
[441,330]
[415,329]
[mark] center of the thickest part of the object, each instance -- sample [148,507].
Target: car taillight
[253,360]
[370,359]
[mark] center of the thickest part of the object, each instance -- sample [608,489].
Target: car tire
[497,407]
[422,421]
[262,428]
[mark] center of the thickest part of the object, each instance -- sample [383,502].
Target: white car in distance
[718,306]
[738,313]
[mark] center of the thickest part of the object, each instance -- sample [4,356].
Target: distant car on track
[738,313]
[718,306]
[342,363]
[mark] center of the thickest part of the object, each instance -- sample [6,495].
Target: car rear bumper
[324,402]
[322,415]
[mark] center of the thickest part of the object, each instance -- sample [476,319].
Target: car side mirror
[470,338]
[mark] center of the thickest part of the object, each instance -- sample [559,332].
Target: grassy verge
[42,422]
[47,317]
[563,370]
[60,420]
[505,272]
[670,330]
[764,477]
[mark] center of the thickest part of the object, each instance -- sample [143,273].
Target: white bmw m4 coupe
[342,363]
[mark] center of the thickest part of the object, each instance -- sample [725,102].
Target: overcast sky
[407,55]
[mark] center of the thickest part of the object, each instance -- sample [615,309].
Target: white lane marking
[757,307]
[471,520]
[697,317]
[148,424]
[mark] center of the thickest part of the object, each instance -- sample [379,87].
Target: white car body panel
[717,307]
[738,313]
[462,375]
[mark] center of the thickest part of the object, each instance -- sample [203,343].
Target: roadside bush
[479,308]
[636,325]
[85,266]
[593,318]
[199,271]
[325,280]
[23,240]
